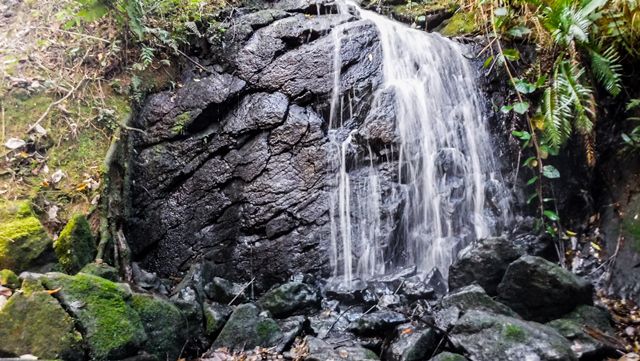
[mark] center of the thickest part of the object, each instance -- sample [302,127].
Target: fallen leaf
[4,291]
[51,292]
[57,176]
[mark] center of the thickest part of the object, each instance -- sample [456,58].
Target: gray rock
[448,356]
[319,350]
[474,298]
[224,291]
[412,343]
[483,262]
[377,323]
[291,328]
[574,326]
[491,337]
[540,290]
[289,299]
[215,317]
[248,328]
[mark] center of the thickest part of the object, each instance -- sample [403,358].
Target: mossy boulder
[9,279]
[248,328]
[24,243]
[572,327]
[34,323]
[111,326]
[290,299]
[75,247]
[164,324]
[461,23]
[101,270]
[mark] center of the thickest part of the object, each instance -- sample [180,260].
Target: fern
[557,126]
[576,95]
[607,69]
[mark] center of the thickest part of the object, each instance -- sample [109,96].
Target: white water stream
[444,162]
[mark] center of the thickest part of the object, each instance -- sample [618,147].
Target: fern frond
[573,92]
[607,69]
[557,127]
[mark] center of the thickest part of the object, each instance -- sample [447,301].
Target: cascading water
[437,186]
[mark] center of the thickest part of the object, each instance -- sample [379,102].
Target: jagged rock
[24,243]
[291,328]
[540,290]
[101,270]
[224,291]
[248,328]
[164,324]
[319,350]
[191,288]
[448,356]
[75,246]
[357,293]
[412,343]
[377,323]
[112,328]
[573,327]
[34,323]
[424,286]
[483,262]
[215,316]
[290,299]
[491,337]
[194,316]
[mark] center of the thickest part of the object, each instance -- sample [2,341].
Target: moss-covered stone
[9,279]
[24,243]
[112,328]
[631,223]
[247,329]
[460,23]
[448,356]
[290,298]
[101,270]
[215,316]
[35,323]
[164,324]
[75,247]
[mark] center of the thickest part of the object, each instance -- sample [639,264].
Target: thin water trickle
[439,168]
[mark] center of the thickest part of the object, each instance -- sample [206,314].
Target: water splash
[437,186]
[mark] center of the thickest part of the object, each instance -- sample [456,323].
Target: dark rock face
[412,343]
[232,167]
[540,290]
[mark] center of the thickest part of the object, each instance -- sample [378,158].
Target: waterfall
[437,186]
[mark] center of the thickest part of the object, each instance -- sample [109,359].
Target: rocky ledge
[519,307]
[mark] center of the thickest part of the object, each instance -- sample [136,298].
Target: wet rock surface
[232,166]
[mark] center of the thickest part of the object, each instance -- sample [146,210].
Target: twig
[79,34]
[46,112]
[338,319]
[241,291]
[193,61]
[2,113]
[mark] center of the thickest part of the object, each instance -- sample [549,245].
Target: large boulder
[24,243]
[247,328]
[483,262]
[75,246]
[473,297]
[491,337]
[290,299]
[540,290]
[101,270]
[580,326]
[112,328]
[33,322]
[448,356]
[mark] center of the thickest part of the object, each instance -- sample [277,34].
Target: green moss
[513,332]
[9,279]
[461,23]
[101,270]
[411,11]
[631,223]
[35,323]
[112,328]
[75,247]
[266,328]
[23,240]
[164,325]
[180,122]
